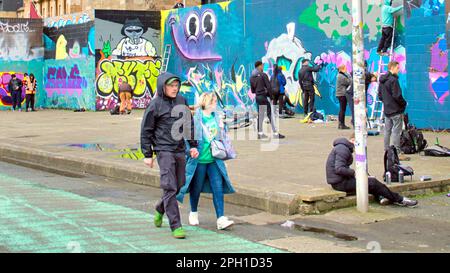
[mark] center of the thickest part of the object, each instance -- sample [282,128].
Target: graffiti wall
[69,71]
[21,51]
[127,48]
[215,46]
[427,47]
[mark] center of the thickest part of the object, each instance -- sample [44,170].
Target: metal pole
[362,189]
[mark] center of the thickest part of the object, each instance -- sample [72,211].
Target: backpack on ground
[316,115]
[115,110]
[412,140]
[392,165]
[437,150]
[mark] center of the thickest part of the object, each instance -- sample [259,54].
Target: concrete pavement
[288,180]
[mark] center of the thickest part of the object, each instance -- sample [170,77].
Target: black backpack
[392,165]
[412,140]
[275,85]
[437,150]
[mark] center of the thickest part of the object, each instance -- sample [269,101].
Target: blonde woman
[206,173]
[343,84]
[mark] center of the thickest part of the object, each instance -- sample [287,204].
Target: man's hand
[149,162]
[194,153]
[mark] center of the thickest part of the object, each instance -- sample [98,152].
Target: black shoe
[279,136]
[262,136]
[343,127]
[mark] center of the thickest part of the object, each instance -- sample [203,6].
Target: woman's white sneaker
[224,223]
[193,219]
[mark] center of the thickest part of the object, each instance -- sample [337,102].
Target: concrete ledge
[307,201]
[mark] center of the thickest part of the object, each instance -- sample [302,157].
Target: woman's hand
[194,153]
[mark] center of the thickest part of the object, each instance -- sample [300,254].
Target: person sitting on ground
[342,178]
[126,97]
[387,17]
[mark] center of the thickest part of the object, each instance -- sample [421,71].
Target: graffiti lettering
[58,80]
[68,20]
[141,75]
[19,27]
[5,94]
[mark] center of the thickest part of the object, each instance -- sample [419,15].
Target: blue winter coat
[282,82]
[191,163]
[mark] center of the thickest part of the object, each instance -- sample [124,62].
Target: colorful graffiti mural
[5,94]
[21,40]
[69,70]
[439,70]
[127,46]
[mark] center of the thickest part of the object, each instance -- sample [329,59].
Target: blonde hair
[206,99]
[341,67]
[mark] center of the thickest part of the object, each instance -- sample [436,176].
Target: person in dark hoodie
[306,81]
[159,134]
[342,178]
[260,85]
[15,88]
[390,94]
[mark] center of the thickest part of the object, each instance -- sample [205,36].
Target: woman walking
[206,173]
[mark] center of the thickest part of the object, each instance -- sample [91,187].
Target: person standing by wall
[343,83]
[260,86]
[30,92]
[206,173]
[306,81]
[126,97]
[387,18]
[158,134]
[15,88]
[278,83]
[390,93]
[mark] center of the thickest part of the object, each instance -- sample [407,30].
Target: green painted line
[34,218]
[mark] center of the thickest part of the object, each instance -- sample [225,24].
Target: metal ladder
[166,58]
[377,115]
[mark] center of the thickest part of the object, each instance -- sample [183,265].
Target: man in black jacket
[342,178]
[167,120]
[15,88]
[390,94]
[260,85]
[306,81]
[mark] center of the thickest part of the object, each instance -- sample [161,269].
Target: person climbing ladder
[387,17]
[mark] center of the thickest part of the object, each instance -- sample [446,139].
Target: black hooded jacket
[390,94]
[161,120]
[305,76]
[339,161]
[260,84]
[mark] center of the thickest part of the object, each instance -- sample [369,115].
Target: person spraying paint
[387,17]
[30,93]
[159,135]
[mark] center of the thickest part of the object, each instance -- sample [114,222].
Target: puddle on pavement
[335,234]
[127,153]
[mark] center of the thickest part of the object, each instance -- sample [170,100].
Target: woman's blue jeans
[216,181]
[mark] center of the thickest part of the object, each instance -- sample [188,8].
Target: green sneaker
[179,233]
[158,219]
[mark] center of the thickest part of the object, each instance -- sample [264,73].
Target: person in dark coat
[167,111]
[344,83]
[15,88]
[341,176]
[306,81]
[390,93]
[261,87]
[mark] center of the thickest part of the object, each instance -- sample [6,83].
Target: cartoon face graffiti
[134,45]
[194,35]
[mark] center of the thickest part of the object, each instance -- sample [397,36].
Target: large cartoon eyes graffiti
[192,27]
[208,24]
